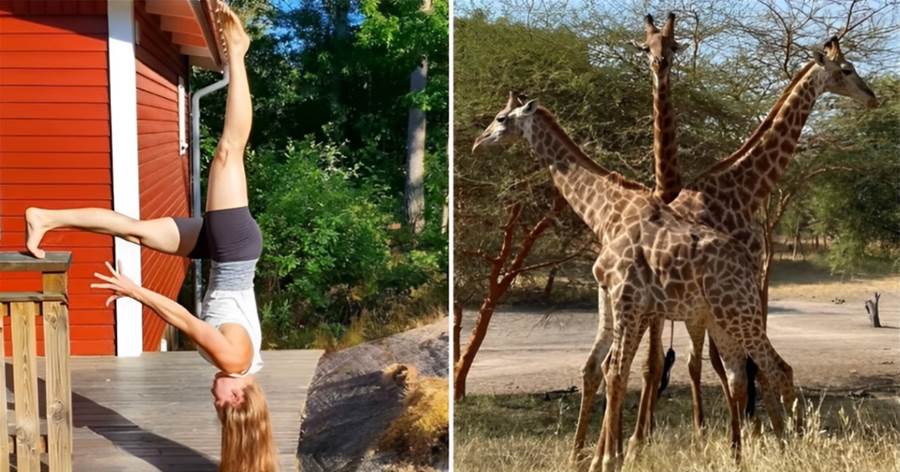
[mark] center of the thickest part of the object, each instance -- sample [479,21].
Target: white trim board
[126,189]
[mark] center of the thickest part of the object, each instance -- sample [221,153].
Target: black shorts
[228,235]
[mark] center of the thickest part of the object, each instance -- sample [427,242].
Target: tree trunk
[457,330]
[415,154]
[340,13]
[445,217]
[872,310]
[461,372]
[548,287]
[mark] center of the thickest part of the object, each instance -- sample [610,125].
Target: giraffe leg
[652,375]
[734,386]
[697,332]
[655,376]
[742,377]
[770,401]
[789,394]
[625,343]
[772,374]
[596,462]
[592,374]
[738,316]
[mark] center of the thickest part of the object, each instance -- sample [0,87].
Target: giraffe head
[513,121]
[659,45]
[841,77]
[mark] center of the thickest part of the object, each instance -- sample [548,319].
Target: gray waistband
[232,275]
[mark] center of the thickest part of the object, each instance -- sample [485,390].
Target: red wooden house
[94,112]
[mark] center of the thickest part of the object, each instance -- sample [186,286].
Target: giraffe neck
[763,126]
[595,193]
[665,148]
[757,171]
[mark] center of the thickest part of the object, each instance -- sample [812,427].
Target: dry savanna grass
[421,433]
[810,281]
[424,306]
[534,433]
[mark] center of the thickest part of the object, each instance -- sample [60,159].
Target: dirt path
[830,347]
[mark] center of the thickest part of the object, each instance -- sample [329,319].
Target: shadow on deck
[155,412]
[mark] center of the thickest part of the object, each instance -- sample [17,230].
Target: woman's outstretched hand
[120,285]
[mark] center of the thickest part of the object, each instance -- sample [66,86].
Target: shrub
[328,253]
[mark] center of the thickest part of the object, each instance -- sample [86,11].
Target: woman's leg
[160,234]
[227,180]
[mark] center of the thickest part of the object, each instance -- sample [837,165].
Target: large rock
[351,402]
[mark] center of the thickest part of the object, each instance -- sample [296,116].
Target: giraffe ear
[529,107]
[649,26]
[669,26]
[819,57]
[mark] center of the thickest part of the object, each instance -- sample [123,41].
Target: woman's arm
[224,354]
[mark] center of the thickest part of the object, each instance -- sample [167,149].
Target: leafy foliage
[860,208]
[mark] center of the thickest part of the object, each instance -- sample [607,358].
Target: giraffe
[654,263]
[660,47]
[726,196]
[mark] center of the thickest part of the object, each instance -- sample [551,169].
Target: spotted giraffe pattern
[660,47]
[725,198]
[655,263]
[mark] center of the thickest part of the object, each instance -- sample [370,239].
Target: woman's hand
[120,285]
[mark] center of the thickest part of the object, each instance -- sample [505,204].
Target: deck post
[22,307]
[59,381]
[28,433]
[4,439]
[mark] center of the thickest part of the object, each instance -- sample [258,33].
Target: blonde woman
[227,331]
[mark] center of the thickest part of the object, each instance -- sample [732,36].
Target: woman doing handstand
[227,330]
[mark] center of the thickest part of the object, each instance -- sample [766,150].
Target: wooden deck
[155,413]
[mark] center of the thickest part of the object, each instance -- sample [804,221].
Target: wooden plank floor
[155,412]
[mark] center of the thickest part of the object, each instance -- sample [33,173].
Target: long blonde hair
[247,443]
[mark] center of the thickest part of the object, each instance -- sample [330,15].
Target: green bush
[328,252]
[325,240]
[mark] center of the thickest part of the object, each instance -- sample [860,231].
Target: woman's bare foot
[233,33]
[35,227]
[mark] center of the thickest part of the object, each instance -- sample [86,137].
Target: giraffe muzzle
[478,141]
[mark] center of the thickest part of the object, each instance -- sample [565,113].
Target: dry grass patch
[421,434]
[534,432]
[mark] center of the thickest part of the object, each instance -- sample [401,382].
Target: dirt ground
[831,346]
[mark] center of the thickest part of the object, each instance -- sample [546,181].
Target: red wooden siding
[164,172]
[54,145]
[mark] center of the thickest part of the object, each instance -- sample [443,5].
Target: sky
[829,17]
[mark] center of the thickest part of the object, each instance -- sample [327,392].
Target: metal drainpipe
[195,176]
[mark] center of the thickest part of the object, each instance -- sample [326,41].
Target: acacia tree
[505,268]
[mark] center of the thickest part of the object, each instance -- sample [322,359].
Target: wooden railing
[23,308]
